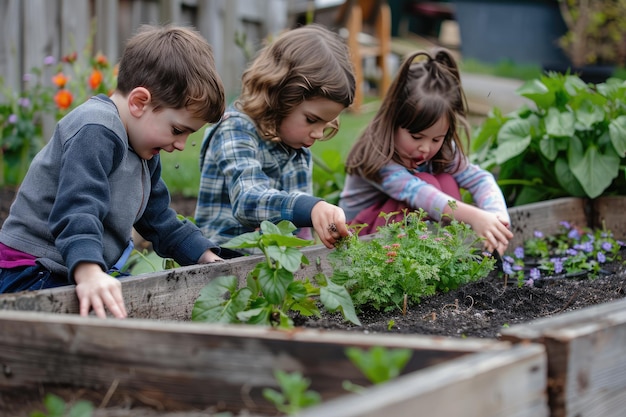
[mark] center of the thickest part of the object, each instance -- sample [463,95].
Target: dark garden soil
[479,309]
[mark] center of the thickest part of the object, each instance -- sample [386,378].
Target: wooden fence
[34,29]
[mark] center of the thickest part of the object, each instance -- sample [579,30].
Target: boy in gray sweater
[100,175]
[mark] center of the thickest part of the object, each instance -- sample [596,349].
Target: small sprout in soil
[294,395]
[56,407]
[379,364]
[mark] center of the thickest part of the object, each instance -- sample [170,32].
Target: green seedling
[294,395]
[378,364]
[56,407]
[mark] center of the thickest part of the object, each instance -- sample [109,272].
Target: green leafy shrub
[271,291]
[411,258]
[572,143]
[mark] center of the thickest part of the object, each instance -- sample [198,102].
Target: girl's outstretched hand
[494,230]
[329,222]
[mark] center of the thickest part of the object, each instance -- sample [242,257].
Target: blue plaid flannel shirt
[246,179]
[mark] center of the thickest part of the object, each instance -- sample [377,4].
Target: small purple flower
[49,60]
[12,119]
[619,242]
[571,252]
[565,224]
[506,267]
[508,259]
[517,267]
[534,273]
[558,265]
[601,258]
[607,246]
[424,237]
[24,102]
[519,252]
[587,247]
[28,77]
[529,283]
[538,234]
[573,234]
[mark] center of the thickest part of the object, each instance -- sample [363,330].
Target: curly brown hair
[302,63]
[426,88]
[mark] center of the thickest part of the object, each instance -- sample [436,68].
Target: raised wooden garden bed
[185,366]
[159,358]
[586,366]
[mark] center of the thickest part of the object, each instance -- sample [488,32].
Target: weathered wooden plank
[167,295]
[545,216]
[189,365]
[609,211]
[11,69]
[586,367]
[505,384]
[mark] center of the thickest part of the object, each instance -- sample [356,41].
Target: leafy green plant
[294,395]
[408,260]
[56,407]
[271,291]
[379,364]
[572,143]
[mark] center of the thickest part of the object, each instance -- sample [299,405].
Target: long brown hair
[426,88]
[302,63]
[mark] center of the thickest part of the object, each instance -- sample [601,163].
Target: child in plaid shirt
[256,163]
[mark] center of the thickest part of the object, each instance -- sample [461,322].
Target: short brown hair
[302,63]
[176,65]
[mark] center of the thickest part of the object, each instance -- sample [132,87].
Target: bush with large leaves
[571,143]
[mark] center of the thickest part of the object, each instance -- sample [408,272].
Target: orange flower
[101,60]
[63,99]
[95,79]
[60,80]
[69,58]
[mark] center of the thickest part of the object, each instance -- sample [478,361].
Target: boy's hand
[209,257]
[96,290]
[329,222]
